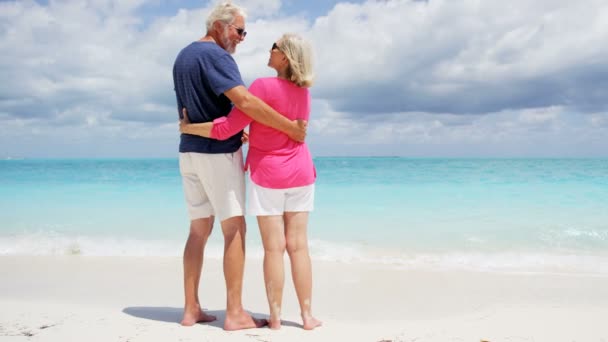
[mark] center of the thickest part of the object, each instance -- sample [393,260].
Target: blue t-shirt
[202,72]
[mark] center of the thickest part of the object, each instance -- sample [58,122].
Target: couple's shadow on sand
[174,315]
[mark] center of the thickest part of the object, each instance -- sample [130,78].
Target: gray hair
[225,12]
[299,53]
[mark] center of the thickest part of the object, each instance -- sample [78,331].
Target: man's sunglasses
[239,30]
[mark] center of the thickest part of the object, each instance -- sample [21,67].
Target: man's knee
[201,228]
[234,225]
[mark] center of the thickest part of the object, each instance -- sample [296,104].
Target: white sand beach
[77,298]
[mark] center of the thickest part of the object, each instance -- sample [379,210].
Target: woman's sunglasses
[275,47]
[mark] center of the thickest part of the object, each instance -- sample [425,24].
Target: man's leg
[200,229]
[234,267]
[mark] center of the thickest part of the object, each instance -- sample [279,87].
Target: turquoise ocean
[514,215]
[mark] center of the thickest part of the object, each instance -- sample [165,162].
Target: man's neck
[208,38]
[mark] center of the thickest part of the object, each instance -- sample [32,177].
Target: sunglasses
[239,30]
[275,47]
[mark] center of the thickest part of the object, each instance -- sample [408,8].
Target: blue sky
[437,78]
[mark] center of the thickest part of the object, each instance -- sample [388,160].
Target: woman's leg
[273,237]
[301,269]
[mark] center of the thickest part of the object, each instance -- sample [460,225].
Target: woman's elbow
[219,136]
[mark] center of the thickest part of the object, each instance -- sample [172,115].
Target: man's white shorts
[269,202]
[214,184]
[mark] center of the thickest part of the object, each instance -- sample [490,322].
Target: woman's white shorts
[270,202]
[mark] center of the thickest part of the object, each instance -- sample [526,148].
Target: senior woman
[281,192]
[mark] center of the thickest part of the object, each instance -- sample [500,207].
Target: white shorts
[270,202]
[214,184]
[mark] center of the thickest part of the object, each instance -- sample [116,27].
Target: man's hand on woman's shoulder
[298,133]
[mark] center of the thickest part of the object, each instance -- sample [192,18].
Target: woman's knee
[295,246]
[277,246]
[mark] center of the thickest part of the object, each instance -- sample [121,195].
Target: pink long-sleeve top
[274,160]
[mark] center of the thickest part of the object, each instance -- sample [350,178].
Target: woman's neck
[282,73]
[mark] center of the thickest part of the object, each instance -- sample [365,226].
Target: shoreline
[75,298]
[416,258]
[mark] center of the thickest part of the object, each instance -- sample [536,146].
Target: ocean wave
[589,234]
[51,243]
[37,244]
[460,259]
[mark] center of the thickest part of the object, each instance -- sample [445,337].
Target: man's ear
[217,26]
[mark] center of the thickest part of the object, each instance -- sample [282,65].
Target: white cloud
[392,76]
[462,56]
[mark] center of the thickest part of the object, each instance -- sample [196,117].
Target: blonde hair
[225,12]
[299,53]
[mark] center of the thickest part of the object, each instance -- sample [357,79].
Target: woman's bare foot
[274,323]
[242,320]
[196,316]
[311,323]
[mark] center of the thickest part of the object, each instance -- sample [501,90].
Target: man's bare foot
[274,324]
[311,323]
[198,316]
[243,320]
